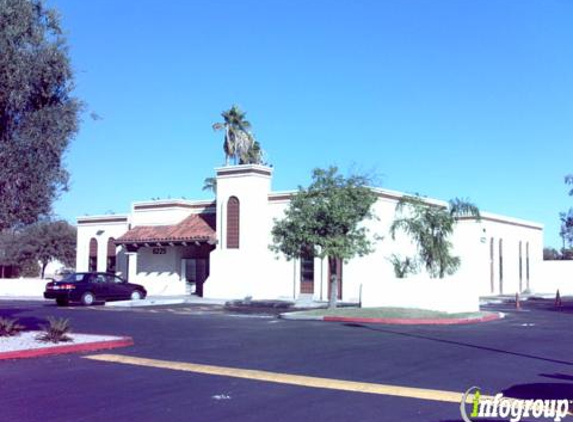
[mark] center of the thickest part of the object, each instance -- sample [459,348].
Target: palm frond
[463,208]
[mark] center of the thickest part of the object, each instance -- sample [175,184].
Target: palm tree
[237,139]
[430,226]
[210,183]
[253,155]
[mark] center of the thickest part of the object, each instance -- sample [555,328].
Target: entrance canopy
[197,228]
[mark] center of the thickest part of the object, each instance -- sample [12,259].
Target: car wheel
[136,295]
[62,302]
[88,299]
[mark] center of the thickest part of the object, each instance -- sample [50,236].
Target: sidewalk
[167,300]
[510,298]
[297,316]
[192,299]
[148,301]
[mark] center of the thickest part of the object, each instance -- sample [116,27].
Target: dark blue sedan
[88,288]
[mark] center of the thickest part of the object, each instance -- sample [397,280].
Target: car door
[99,286]
[118,288]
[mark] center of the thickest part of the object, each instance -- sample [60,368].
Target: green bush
[9,327]
[403,267]
[56,331]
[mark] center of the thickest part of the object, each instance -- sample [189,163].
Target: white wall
[253,270]
[250,270]
[556,275]
[23,287]
[374,268]
[160,274]
[450,294]
[164,212]
[53,268]
[472,243]
[102,228]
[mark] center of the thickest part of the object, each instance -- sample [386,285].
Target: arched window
[92,264]
[111,258]
[233,223]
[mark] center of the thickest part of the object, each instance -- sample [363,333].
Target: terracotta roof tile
[196,227]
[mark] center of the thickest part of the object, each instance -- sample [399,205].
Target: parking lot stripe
[282,378]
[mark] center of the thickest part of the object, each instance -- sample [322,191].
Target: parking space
[526,354]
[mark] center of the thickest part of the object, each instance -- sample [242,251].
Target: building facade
[220,249]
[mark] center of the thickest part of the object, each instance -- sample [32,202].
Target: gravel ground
[27,340]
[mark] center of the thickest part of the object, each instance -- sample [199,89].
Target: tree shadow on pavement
[459,343]
[540,391]
[558,376]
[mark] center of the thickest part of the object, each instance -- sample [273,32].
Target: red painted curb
[68,348]
[414,321]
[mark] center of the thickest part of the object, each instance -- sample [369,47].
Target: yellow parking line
[281,378]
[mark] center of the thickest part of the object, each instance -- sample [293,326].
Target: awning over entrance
[197,228]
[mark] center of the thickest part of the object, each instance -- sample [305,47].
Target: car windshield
[73,278]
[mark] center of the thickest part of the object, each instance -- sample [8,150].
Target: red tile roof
[196,227]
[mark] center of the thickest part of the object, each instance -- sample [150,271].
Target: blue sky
[442,98]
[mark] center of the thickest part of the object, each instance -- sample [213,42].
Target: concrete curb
[395,321]
[294,316]
[164,301]
[68,348]
[143,303]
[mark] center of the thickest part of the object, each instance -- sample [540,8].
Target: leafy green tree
[47,241]
[38,114]
[324,220]
[431,226]
[7,260]
[29,268]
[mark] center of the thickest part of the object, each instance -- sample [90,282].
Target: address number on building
[159,251]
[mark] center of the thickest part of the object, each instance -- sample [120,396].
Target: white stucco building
[219,249]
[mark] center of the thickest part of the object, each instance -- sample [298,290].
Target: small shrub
[56,330]
[403,267]
[9,327]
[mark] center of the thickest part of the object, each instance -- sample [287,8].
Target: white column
[132,268]
[101,253]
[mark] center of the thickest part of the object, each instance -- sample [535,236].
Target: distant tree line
[27,252]
[565,231]
[552,254]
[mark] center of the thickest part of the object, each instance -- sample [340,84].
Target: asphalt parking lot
[166,375]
